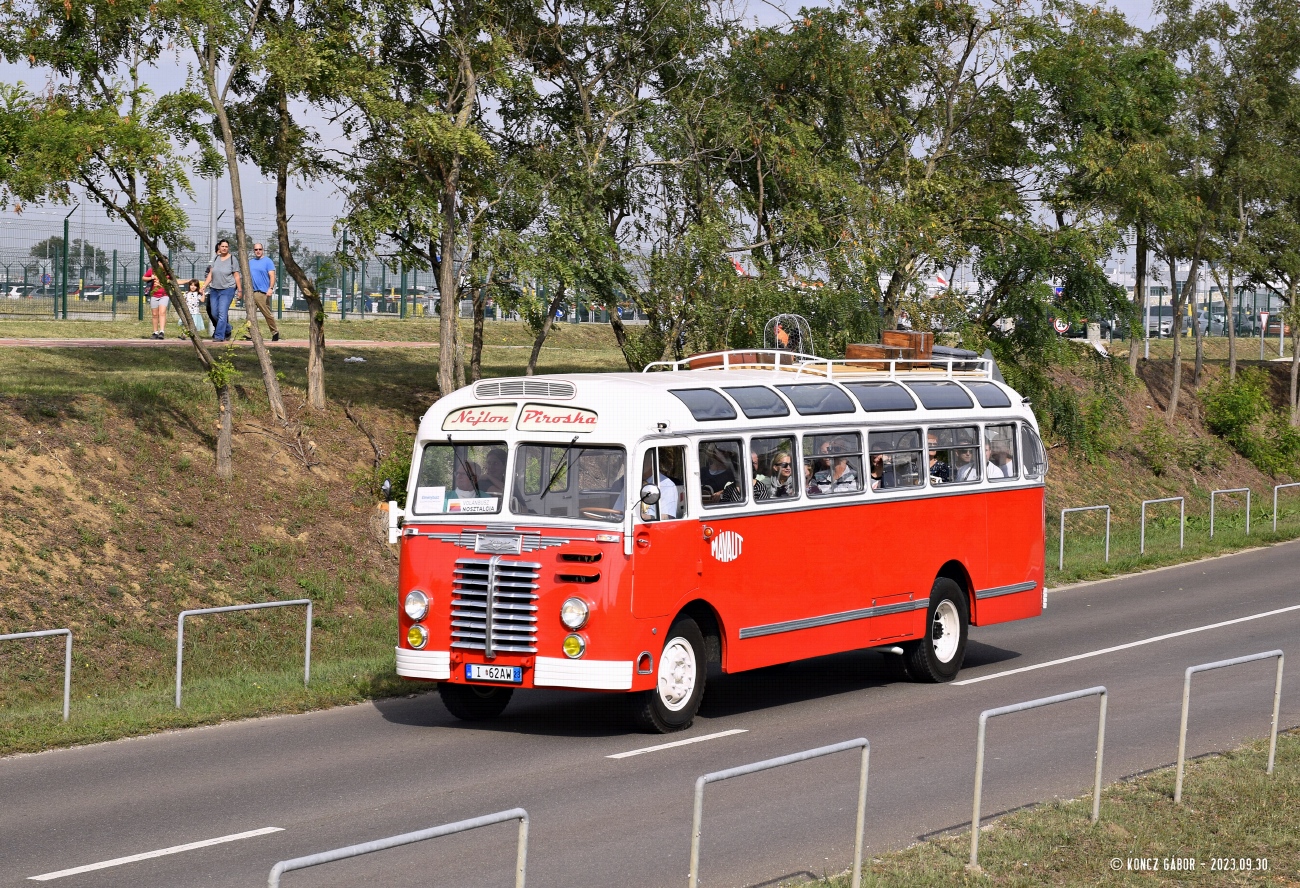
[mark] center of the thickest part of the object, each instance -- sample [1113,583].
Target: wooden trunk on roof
[919,344]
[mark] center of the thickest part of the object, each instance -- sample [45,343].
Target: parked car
[92,292]
[1275,327]
[20,291]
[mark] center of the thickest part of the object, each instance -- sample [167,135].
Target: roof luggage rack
[862,362]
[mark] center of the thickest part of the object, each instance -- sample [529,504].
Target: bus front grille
[494,606]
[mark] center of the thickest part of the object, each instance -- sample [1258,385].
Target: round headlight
[574,646]
[417,636]
[574,612]
[416,605]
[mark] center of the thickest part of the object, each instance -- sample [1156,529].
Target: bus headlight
[574,646]
[417,636]
[416,605]
[574,613]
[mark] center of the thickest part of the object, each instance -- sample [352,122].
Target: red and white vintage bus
[621,532]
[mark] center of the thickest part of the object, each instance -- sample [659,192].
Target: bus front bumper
[547,672]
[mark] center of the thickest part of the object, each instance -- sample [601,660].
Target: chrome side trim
[865,613]
[1027,586]
[528,542]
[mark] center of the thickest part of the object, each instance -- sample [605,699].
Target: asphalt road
[364,772]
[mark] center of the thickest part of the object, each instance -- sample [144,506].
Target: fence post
[1275,490]
[1182,516]
[180,633]
[987,714]
[1214,493]
[521,852]
[698,815]
[67,659]
[1187,699]
[1060,562]
[401,308]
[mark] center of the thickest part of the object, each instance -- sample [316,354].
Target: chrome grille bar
[494,606]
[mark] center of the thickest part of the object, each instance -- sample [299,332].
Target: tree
[97,126]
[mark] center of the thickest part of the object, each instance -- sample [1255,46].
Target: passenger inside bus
[840,471]
[901,458]
[773,472]
[999,451]
[467,479]
[493,481]
[940,471]
[719,473]
[953,454]
[670,487]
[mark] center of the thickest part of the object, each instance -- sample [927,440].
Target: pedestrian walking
[223,285]
[158,303]
[262,270]
[194,302]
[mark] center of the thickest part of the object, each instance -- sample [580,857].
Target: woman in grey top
[223,286]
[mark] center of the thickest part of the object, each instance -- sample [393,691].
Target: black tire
[680,676]
[474,702]
[934,658]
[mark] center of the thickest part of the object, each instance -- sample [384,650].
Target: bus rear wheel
[474,702]
[679,682]
[937,657]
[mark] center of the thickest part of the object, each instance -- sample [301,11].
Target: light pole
[65,261]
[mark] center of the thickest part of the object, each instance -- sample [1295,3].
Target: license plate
[483,672]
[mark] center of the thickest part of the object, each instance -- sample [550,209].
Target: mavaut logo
[545,418]
[493,416]
[726,546]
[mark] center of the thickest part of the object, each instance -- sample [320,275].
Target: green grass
[1231,810]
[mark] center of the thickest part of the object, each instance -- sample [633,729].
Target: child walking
[194,302]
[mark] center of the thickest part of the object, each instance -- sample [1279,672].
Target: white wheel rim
[945,632]
[677,674]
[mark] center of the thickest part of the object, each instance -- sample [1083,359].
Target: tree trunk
[546,328]
[269,382]
[1293,314]
[1139,296]
[1171,409]
[1230,326]
[892,294]
[447,288]
[476,346]
[315,307]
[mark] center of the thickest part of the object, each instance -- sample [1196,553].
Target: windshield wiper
[564,464]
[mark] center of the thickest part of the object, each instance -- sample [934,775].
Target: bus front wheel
[473,702]
[679,682]
[937,657]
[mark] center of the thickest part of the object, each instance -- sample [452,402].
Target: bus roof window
[875,396]
[818,399]
[941,395]
[705,405]
[758,401]
[988,394]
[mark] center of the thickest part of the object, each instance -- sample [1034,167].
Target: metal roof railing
[829,368]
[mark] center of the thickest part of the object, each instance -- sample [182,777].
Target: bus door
[666,564]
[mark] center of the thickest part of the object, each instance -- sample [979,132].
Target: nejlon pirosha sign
[479,419]
[546,418]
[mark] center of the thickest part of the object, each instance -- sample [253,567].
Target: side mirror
[386,489]
[650,494]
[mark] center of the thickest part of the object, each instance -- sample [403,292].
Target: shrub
[1239,411]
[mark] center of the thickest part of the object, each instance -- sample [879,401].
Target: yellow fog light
[417,636]
[574,646]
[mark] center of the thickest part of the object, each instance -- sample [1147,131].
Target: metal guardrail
[716,776]
[1187,698]
[987,714]
[1182,520]
[180,633]
[1214,493]
[1275,490]
[67,659]
[521,854]
[1060,561]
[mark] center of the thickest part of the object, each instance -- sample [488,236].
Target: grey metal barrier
[1060,562]
[1214,493]
[521,854]
[987,714]
[180,633]
[1182,520]
[67,659]
[861,742]
[1275,490]
[1187,699]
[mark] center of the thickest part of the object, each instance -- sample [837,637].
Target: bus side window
[897,459]
[1035,457]
[665,467]
[835,462]
[722,473]
[773,469]
[954,455]
[1000,452]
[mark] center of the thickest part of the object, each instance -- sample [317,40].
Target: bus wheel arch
[956,571]
[710,625]
[680,678]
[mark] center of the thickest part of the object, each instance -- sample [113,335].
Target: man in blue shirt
[262,270]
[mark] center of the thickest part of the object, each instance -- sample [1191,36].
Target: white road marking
[623,755]
[1131,644]
[162,852]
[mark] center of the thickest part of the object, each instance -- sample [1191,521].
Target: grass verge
[1236,826]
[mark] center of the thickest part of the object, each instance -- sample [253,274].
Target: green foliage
[1163,450]
[1239,411]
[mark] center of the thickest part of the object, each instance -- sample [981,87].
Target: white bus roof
[610,408]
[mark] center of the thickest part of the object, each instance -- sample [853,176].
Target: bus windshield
[461,478]
[559,481]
